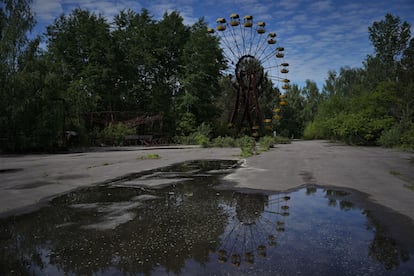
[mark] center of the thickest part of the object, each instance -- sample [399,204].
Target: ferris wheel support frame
[250,51]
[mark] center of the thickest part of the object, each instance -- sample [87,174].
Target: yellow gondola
[284,71]
[280,55]
[255,127]
[286,86]
[234,19]
[267,120]
[210,30]
[271,41]
[277,117]
[282,96]
[281,49]
[286,80]
[276,110]
[248,21]
[261,27]
[221,24]
[285,64]
[282,103]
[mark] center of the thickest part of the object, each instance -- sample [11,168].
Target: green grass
[149,156]
[409,182]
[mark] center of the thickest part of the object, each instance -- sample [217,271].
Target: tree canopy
[93,74]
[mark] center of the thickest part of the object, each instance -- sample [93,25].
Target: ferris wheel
[253,56]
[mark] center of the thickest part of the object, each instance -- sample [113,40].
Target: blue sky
[318,36]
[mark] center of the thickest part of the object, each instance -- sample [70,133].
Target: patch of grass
[103,164]
[395,173]
[409,182]
[149,156]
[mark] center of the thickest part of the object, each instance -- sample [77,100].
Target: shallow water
[181,220]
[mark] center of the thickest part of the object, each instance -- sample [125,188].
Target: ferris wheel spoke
[265,55]
[243,33]
[260,45]
[228,44]
[233,34]
[251,39]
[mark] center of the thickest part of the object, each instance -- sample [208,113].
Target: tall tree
[81,44]
[172,36]
[203,61]
[135,36]
[311,100]
[292,121]
[389,38]
[16,20]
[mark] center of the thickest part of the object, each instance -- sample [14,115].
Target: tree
[169,49]
[16,20]
[203,60]
[389,38]
[292,121]
[311,100]
[134,37]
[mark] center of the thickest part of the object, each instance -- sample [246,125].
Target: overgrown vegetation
[113,134]
[149,156]
[89,67]
[373,105]
[247,145]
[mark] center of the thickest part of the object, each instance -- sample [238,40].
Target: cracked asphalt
[28,181]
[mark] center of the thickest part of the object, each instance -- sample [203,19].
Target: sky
[318,36]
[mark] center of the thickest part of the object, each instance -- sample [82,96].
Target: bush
[224,142]
[114,134]
[390,137]
[199,137]
[247,145]
[201,140]
[266,142]
[407,138]
[313,130]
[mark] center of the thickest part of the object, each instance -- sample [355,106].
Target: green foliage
[407,137]
[198,137]
[390,137]
[165,67]
[266,142]
[149,156]
[114,134]
[224,142]
[186,124]
[247,145]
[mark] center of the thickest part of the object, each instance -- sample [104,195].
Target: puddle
[175,221]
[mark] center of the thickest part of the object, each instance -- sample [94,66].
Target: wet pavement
[187,219]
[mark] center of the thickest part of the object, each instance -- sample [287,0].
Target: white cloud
[46,10]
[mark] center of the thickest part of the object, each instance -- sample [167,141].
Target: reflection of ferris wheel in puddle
[255,222]
[252,56]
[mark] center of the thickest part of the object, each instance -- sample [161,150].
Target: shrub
[390,137]
[114,134]
[201,140]
[247,145]
[224,142]
[266,142]
[407,138]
